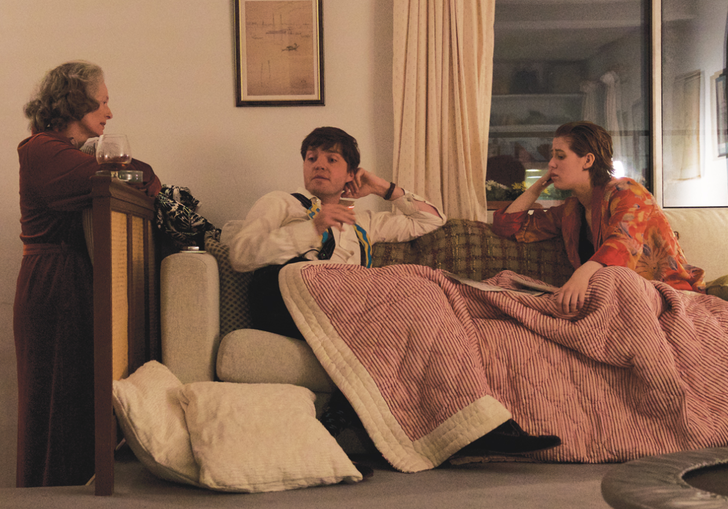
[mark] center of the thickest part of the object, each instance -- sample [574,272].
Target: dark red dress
[53,315]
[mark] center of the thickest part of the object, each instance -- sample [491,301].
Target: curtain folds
[612,106]
[442,80]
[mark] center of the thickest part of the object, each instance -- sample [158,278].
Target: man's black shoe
[508,439]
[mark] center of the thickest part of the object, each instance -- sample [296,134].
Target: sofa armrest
[190,315]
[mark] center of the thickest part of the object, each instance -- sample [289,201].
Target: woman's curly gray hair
[65,94]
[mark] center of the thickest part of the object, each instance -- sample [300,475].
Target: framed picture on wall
[721,103]
[279,52]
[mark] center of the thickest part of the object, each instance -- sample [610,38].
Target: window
[561,60]
[557,61]
[694,132]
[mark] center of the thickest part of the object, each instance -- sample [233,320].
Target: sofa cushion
[463,247]
[255,356]
[234,309]
[266,438]
[718,287]
[701,237]
[470,249]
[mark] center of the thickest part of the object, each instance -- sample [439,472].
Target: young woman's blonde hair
[65,94]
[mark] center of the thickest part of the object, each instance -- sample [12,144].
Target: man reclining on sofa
[316,223]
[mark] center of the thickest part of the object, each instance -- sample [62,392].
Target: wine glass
[113,154]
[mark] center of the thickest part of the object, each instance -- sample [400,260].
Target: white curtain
[687,89]
[612,105]
[442,80]
[590,102]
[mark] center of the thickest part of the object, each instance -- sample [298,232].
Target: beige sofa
[205,318]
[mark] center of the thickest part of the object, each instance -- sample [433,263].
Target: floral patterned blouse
[630,230]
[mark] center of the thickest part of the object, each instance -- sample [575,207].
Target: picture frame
[279,52]
[721,103]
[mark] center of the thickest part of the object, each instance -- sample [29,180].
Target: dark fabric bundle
[176,217]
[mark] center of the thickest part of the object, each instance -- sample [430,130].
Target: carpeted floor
[493,485]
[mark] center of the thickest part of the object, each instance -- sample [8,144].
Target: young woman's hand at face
[530,195]
[541,184]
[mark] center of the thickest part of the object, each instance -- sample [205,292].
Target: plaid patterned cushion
[234,309]
[467,248]
[471,249]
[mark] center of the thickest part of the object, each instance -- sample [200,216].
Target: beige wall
[170,70]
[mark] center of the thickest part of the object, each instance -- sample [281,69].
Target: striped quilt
[430,364]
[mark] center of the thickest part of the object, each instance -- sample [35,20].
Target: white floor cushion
[260,437]
[153,422]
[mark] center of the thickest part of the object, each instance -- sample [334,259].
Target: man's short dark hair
[336,140]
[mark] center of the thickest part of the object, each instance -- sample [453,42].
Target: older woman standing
[607,221]
[53,309]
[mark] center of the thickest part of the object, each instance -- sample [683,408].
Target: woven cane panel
[137,294]
[119,301]
[137,235]
[137,253]
[152,288]
[234,309]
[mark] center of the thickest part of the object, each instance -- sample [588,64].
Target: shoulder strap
[327,241]
[365,248]
[304,201]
